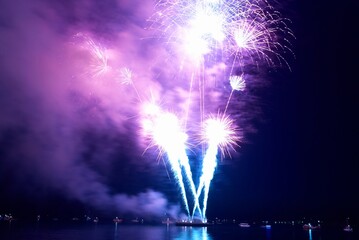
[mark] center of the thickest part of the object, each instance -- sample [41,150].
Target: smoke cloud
[72,77]
[63,124]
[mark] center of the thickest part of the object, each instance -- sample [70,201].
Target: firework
[221,131]
[243,29]
[99,64]
[207,32]
[165,131]
[125,76]
[218,134]
[237,83]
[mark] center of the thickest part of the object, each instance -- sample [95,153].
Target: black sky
[301,161]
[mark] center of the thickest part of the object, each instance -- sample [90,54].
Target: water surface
[165,232]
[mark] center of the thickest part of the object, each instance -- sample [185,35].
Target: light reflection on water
[161,232]
[193,234]
[310,234]
[140,232]
[268,234]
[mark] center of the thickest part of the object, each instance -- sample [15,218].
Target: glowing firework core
[208,23]
[167,132]
[217,132]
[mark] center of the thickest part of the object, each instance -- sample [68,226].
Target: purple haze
[50,100]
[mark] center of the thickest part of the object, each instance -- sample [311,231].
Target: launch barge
[193,224]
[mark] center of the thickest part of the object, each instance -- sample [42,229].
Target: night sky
[69,141]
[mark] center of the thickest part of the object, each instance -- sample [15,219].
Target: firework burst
[237,83]
[99,64]
[243,29]
[222,132]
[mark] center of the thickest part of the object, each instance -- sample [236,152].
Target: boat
[244,225]
[193,224]
[117,220]
[348,228]
[310,226]
[8,218]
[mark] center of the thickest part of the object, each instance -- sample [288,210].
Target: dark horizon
[300,161]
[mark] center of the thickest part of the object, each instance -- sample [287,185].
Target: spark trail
[209,165]
[187,169]
[165,131]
